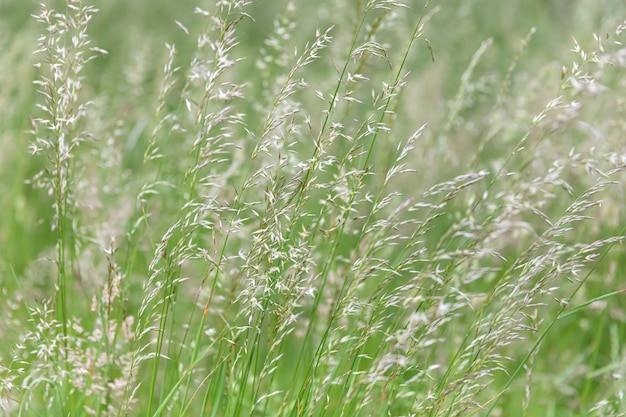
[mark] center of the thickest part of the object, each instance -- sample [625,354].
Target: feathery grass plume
[278,214]
[58,132]
[69,361]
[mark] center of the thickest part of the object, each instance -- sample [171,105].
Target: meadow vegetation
[313,208]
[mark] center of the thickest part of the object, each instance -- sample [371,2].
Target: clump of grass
[280,232]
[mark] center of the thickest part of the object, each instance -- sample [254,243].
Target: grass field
[313,208]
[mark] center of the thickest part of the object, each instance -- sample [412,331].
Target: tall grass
[277,215]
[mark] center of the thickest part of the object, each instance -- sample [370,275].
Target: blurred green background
[135,32]
[126,80]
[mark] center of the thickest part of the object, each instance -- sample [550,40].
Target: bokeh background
[125,86]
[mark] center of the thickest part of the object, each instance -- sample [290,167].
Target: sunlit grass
[365,208]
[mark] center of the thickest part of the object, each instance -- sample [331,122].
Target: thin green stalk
[562,309]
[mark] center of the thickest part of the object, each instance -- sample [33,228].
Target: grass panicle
[313,209]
